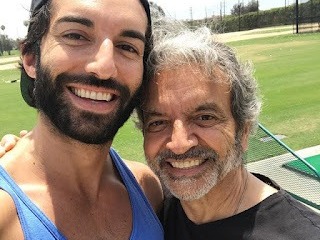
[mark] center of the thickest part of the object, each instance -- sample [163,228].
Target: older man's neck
[237,192]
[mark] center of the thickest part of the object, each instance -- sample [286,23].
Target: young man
[199,109]
[62,180]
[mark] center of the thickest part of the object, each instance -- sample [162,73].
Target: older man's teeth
[100,96]
[186,164]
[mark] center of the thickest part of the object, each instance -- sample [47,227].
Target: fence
[299,176]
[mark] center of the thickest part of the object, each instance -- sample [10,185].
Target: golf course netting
[268,155]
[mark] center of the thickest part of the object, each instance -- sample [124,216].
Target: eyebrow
[150,112]
[80,20]
[133,34]
[211,106]
[88,23]
[208,106]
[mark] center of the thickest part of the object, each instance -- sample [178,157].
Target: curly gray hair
[177,45]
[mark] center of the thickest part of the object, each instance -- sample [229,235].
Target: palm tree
[2,40]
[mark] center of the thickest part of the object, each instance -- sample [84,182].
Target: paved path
[244,35]
[9,60]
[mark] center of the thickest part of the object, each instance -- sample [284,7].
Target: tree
[2,42]
[237,9]
[240,8]
[6,44]
[252,6]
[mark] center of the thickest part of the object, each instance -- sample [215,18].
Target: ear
[29,64]
[245,136]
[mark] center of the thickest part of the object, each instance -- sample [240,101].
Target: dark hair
[40,16]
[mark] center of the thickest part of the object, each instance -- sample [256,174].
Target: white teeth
[93,95]
[87,94]
[186,164]
[100,96]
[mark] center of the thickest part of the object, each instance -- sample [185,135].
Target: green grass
[129,142]
[9,75]
[15,114]
[12,54]
[287,69]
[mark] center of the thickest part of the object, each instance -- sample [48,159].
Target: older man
[82,68]
[198,111]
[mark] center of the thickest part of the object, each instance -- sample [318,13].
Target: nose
[181,138]
[102,63]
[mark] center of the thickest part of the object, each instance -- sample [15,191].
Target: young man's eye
[128,49]
[74,36]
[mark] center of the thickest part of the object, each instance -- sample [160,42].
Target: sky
[15,12]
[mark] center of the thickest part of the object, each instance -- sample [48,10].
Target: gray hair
[176,45]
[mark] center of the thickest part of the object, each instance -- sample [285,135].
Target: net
[269,156]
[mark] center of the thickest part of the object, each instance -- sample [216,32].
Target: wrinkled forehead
[188,76]
[185,83]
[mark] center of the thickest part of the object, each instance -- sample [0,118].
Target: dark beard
[84,126]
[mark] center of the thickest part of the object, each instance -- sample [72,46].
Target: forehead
[187,86]
[125,13]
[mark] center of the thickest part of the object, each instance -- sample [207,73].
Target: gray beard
[189,189]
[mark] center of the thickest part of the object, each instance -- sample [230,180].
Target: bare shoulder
[9,221]
[149,183]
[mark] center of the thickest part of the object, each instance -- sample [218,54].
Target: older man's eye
[207,120]
[156,126]
[205,117]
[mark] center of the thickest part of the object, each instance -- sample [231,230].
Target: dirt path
[9,59]
[244,35]
[10,64]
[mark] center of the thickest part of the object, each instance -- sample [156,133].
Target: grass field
[287,69]
[288,72]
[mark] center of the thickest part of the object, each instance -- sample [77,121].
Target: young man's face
[189,131]
[91,66]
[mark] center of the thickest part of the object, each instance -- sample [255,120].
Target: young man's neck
[60,157]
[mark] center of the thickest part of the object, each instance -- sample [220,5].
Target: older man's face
[189,131]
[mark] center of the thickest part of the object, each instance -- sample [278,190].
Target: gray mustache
[195,152]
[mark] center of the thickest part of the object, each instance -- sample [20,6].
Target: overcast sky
[14,12]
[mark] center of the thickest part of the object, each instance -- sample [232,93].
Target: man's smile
[93,95]
[187,163]
[94,99]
